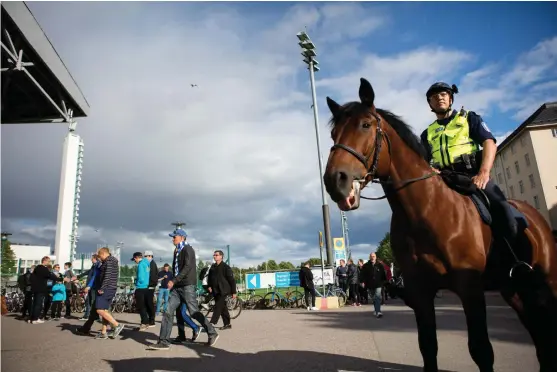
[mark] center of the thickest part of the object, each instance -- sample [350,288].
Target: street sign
[340,251]
[320,239]
[287,279]
[253,281]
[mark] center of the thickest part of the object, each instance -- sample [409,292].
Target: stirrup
[518,263]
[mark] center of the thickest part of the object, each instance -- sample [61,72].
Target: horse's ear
[367,95]
[333,106]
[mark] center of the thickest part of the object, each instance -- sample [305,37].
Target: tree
[284,265]
[9,261]
[384,252]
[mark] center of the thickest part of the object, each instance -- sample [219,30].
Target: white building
[28,255]
[68,199]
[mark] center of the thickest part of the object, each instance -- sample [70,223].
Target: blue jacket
[94,275]
[59,292]
[143,274]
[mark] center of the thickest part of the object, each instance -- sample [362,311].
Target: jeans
[38,302]
[163,294]
[144,301]
[179,295]
[183,318]
[89,301]
[28,304]
[307,293]
[68,303]
[376,293]
[355,293]
[56,309]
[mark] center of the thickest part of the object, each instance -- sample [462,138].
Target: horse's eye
[366,125]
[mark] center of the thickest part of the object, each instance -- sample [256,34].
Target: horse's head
[359,153]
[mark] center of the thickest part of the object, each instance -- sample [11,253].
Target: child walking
[58,296]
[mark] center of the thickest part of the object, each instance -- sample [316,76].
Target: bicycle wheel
[295,299]
[271,300]
[234,306]
[255,302]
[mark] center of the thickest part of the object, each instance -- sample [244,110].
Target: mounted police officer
[453,142]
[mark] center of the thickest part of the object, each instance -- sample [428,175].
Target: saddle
[463,184]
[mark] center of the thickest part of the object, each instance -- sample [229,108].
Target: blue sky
[244,139]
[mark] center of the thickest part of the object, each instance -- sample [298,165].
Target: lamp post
[344,221]
[308,51]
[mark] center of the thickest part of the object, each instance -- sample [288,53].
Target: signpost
[285,279]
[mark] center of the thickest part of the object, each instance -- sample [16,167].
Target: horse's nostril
[343,177]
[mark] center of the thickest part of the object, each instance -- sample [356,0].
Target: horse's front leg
[467,285]
[422,302]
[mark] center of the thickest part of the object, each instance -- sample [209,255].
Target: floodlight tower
[308,51]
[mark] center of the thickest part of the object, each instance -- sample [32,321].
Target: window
[512,192]
[500,178]
[516,167]
[521,186]
[532,182]
[512,149]
[523,140]
[527,159]
[536,202]
[554,132]
[508,173]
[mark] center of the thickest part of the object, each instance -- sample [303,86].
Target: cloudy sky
[236,157]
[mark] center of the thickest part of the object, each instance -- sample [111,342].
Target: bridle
[376,151]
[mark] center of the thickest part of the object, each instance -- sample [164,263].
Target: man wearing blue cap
[182,290]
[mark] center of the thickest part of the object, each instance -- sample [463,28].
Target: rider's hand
[170,285]
[234,295]
[481,179]
[86,289]
[100,291]
[436,170]
[210,290]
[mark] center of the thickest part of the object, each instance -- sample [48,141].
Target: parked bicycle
[290,299]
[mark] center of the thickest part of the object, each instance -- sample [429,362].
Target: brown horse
[437,235]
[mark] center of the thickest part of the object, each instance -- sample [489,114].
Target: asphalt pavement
[349,339]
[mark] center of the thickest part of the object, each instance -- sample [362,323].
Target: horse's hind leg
[467,285]
[539,318]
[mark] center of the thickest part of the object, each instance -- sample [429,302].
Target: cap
[137,254]
[148,253]
[178,232]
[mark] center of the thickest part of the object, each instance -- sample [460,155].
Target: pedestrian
[90,294]
[24,282]
[153,281]
[39,285]
[353,283]
[164,276]
[342,276]
[142,288]
[183,319]
[58,293]
[374,274]
[68,273]
[306,282]
[182,290]
[221,284]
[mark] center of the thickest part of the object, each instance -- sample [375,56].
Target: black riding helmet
[441,87]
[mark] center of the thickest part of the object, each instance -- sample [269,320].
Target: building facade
[68,199]
[28,255]
[525,166]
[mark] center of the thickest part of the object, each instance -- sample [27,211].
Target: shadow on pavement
[503,324]
[217,360]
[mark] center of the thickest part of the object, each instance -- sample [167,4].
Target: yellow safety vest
[449,142]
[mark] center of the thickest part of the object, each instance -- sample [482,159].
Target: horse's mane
[403,130]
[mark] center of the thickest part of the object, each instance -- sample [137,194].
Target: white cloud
[236,155]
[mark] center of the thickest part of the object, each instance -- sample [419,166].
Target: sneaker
[358,304]
[80,331]
[101,336]
[142,327]
[213,340]
[56,319]
[309,308]
[159,346]
[151,325]
[38,321]
[83,318]
[226,326]
[195,335]
[178,340]
[116,331]
[379,314]
[314,308]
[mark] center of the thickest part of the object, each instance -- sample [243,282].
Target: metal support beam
[16,58]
